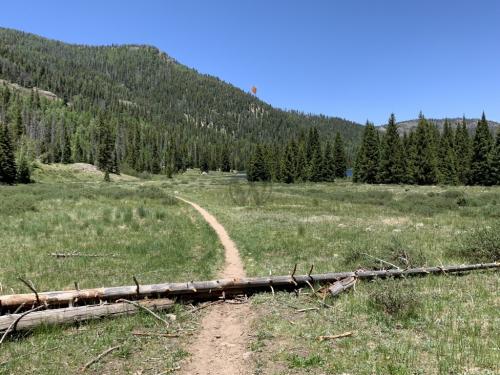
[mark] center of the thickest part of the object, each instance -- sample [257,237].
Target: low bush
[480,245]
[395,298]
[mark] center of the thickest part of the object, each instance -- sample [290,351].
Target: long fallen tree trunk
[213,289]
[68,315]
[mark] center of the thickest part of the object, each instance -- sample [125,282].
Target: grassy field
[142,229]
[435,325]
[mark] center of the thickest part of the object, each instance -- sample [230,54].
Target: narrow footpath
[220,348]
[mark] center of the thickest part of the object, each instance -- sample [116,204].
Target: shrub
[395,298]
[481,245]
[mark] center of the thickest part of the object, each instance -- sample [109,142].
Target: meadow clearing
[434,325]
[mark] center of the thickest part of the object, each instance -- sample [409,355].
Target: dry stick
[205,306]
[12,327]
[145,309]
[136,284]
[98,358]
[68,255]
[30,285]
[333,337]
[381,260]
[156,334]
[307,309]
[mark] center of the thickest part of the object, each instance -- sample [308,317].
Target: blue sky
[354,59]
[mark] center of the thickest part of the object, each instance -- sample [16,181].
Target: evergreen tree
[480,163]
[339,157]
[288,172]
[301,170]
[7,160]
[409,146]
[257,169]
[462,152]
[391,156]
[367,161]
[225,164]
[425,161]
[23,171]
[66,147]
[495,161]
[106,147]
[204,165]
[316,166]
[447,158]
[314,156]
[329,166]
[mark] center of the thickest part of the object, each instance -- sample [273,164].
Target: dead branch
[205,305]
[333,337]
[138,305]
[98,358]
[30,285]
[382,261]
[307,309]
[70,255]
[156,334]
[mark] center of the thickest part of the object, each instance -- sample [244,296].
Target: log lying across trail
[211,290]
[67,315]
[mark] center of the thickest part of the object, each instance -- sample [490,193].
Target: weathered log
[213,289]
[341,286]
[81,313]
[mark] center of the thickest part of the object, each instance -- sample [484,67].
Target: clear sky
[350,58]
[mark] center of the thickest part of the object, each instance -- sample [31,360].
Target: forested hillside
[149,112]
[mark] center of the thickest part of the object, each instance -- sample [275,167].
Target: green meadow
[445,324]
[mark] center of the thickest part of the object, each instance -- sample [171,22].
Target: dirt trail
[221,345]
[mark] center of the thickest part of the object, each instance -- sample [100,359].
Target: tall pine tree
[462,152]
[391,155]
[328,164]
[7,160]
[257,169]
[425,160]
[481,147]
[495,161]
[106,147]
[339,157]
[367,161]
[447,158]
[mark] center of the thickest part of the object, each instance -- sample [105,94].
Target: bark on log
[342,285]
[211,290]
[81,313]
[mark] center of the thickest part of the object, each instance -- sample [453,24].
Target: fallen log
[79,314]
[342,285]
[213,289]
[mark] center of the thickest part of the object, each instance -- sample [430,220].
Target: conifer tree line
[302,159]
[427,156]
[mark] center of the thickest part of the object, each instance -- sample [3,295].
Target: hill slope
[139,83]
